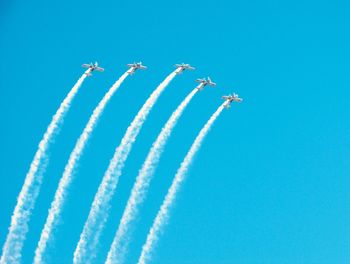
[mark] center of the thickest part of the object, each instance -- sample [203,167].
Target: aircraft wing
[143,67]
[212,84]
[225,97]
[199,80]
[130,65]
[99,69]
[86,65]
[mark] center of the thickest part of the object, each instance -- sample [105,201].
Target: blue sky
[271,181]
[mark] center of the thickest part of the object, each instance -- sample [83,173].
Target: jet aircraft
[92,67]
[181,67]
[204,82]
[231,98]
[135,66]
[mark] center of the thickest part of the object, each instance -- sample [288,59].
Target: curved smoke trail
[61,192]
[163,212]
[89,238]
[18,229]
[119,246]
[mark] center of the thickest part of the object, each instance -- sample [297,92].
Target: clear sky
[271,181]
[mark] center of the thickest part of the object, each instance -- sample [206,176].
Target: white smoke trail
[11,252]
[163,212]
[118,248]
[61,192]
[89,238]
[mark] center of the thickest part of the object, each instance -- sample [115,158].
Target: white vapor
[163,212]
[89,238]
[11,252]
[61,192]
[119,246]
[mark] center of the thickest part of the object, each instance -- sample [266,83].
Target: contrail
[89,238]
[163,212]
[61,192]
[120,243]
[11,252]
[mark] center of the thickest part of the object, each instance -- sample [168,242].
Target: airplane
[181,67]
[92,67]
[203,82]
[134,66]
[231,98]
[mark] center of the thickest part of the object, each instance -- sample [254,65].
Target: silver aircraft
[204,82]
[135,66]
[231,98]
[92,67]
[183,66]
